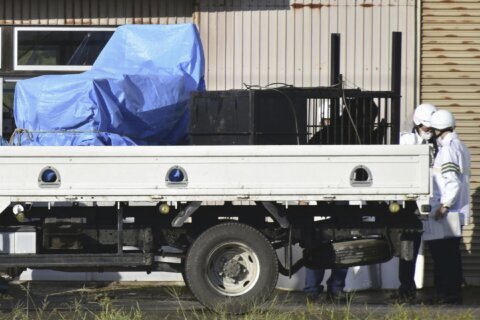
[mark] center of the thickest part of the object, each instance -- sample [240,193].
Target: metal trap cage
[291,115]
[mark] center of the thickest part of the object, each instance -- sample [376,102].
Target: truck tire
[231,268]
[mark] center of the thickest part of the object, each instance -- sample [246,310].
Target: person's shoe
[3,286]
[312,296]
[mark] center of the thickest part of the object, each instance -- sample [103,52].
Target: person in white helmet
[421,133]
[450,208]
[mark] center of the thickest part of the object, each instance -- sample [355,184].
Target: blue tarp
[136,93]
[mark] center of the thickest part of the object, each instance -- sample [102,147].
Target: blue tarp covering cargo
[136,93]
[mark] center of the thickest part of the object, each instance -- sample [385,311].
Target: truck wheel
[231,267]
[183,274]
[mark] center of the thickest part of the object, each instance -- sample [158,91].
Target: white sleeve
[452,188]
[407,138]
[450,178]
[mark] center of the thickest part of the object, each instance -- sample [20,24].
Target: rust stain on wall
[310,5]
[319,6]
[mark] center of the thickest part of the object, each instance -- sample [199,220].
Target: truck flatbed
[216,173]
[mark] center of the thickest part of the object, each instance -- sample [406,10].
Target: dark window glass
[78,48]
[7,104]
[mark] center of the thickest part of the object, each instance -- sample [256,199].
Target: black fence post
[334,81]
[334,58]
[396,86]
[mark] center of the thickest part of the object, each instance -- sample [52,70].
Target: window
[63,49]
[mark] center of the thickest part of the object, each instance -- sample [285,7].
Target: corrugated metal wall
[95,12]
[268,41]
[450,78]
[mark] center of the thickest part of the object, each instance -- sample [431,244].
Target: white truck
[222,211]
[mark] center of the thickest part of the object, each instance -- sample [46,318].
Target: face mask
[426,135]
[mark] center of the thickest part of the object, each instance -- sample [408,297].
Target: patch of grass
[102,306]
[102,309]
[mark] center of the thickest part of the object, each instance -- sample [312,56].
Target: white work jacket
[451,188]
[411,138]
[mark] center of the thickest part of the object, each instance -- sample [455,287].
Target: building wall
[450,78]
[94,12]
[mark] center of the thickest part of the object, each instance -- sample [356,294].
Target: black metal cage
[287,115]
[291,115]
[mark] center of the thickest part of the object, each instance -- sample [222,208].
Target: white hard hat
[423,114]
[442,119]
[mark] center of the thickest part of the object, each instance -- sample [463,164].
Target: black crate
[246,117]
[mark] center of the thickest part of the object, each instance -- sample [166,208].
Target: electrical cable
[350,116]
[292,107]
[290,103]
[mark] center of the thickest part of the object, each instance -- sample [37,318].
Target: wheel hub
[232,269]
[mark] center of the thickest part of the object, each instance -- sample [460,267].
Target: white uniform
[451,188]
[411,138]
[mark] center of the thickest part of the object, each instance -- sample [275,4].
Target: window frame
[2,79]
[1,47]
[18,67]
